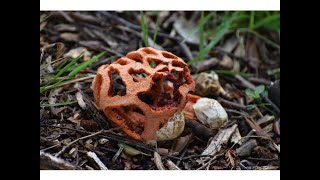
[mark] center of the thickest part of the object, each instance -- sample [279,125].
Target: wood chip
[94,157]
[157,161]
[236,137]
[47,161]
[171,165]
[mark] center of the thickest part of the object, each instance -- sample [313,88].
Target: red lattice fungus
[142,91]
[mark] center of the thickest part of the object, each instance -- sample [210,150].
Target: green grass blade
[155,31]
[201,37]
[64,69]
[232,73]
[144,29]
[61,65]
[218,37]
[251,25]
[58,104]
[62,82]
[196,29]
[85,64]
[267,20]
[45,18]
[222,29]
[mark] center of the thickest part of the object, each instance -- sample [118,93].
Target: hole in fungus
[163,93]
[153,62]
[121,62]
[149,51]
[138,74]
[147,98]
[178,64]
[133,122]
[117,86]
[135,56]
[169,55]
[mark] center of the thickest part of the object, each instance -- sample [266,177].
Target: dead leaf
[222,137]
[53,99]
[162,15]
[75,119]
[236,137]
[229,155]
[267,168]
[171,165]
[60,47]
[252,53]
[163,151]
[69,36]
[80,100]
[255,126]
[185,28]
[226,62]
[265,119]
[73,152]
[230,44]
[73,53]
[93,45]
[65,27]
[240,50]
[103,141]
[157,161]
[181,142]
[107,39]
[201,66]
[263,152]
[89,125]
[246,148]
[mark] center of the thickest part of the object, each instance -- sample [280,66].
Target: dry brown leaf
[230,44]
[157,161]
[80,100]
[227,62]
[252,53]
[185,28]
[70,36]
[246,148]
[65,27]
[229,155]
[75,119]
[236,137]
[181,142]
[171,165]
[221,138]
[73,53]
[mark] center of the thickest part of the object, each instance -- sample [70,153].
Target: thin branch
[84,137]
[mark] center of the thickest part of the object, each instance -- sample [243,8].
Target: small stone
[246,148]
[210,113]
[207,84]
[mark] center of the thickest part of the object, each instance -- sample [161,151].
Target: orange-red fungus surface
[142,90]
